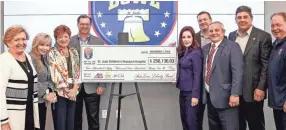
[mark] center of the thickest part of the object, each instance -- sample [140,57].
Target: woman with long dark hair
[189,77]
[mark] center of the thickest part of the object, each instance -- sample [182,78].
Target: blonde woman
[40,47]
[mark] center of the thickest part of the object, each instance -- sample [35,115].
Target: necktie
[209,64]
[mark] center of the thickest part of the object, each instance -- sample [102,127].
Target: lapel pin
[280,51]
[253,38]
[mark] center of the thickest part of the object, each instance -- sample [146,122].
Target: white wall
[44,16]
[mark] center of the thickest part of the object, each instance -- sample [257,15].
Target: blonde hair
[12,31]
[39,39]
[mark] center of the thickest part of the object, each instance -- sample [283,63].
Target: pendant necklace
[26,66]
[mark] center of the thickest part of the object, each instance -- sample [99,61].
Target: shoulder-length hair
[40,38]
[181,48]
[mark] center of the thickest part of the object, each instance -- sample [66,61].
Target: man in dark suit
[89,92]
[204,19]
[256,47]
[223,71]
[276,71]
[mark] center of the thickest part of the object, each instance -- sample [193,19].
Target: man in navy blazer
[223,71]
[276,71]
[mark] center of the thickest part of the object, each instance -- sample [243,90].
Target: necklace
[26,66]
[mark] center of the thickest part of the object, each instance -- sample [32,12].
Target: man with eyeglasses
[89,92]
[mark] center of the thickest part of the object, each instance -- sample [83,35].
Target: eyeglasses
[84,24]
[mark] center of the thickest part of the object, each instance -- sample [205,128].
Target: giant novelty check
[128,63]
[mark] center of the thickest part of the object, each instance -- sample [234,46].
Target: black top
[29,121]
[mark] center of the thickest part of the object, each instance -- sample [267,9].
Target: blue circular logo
[146,22]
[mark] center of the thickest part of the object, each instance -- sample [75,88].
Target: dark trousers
[280,119]
[63,114]
[92,110]
[222,119]
[200,115]
[252,114]
[42,115]
[188,113]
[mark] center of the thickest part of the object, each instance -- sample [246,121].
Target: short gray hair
[218,22]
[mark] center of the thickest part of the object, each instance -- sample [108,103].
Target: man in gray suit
[223,71]
[89,92]
[256,46]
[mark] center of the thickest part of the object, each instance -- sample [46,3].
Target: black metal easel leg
[119,106]
[120,96]
[109,106]
[141,106]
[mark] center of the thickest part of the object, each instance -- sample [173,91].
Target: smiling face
[84,25]
[216,32]
[63,40]
[18,43]
[243,21]
[187,38]
[278,27]
[204,21]
[44,47]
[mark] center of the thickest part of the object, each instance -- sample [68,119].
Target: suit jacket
[277,75]
[190,72]
[89,87]
[255,58]
[226,73]
[198,38]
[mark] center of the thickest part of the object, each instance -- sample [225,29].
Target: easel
[123,40]
[120,96]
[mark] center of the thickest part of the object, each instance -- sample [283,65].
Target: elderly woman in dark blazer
[18,78]
[64,66]
[189,77]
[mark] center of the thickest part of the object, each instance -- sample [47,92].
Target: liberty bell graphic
[133,23]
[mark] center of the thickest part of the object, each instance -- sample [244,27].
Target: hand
[233,101]
[195,101]
[66,91]
[72,94]
[259,95]
[51,97]
[5,126]
[100,90]
[172,44]
[284,107]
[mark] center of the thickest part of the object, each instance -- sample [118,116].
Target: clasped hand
[70,93]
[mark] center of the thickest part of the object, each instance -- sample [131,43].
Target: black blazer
[255,58]
[198,37]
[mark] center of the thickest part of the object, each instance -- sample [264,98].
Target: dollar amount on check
[128,63]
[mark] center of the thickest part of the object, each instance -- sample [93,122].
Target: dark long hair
[181,48]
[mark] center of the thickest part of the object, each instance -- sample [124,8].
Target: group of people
[229,74]
[47,76]
[232,74]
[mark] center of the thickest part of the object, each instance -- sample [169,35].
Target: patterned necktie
[209,64]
